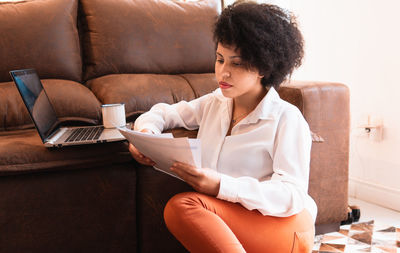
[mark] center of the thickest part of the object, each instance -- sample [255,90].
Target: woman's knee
[178,207]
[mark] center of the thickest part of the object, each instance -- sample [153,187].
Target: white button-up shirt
[264,163]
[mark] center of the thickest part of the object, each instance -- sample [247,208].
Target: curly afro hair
[266,36]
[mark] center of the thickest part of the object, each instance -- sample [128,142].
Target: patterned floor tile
[360,237]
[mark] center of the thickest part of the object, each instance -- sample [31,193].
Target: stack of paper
[164,150]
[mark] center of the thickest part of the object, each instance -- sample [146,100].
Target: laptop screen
[36,101]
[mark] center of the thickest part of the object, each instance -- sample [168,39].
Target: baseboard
[378,194]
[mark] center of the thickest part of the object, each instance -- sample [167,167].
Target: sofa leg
[326,228]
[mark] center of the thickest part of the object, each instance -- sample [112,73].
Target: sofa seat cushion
[40,34]
[72,102]
[22,151]
[148,36]
[140,92]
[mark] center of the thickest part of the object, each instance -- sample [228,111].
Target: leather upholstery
[325,107]
[13,113]
[142,36]
[74,199]
[83,210]
[123,88]
[40,34]
[71,101]
[23,151]
[154,189]
[201,84]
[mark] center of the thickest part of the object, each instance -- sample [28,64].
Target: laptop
[45,119]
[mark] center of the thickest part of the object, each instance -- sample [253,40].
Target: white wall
[358,43]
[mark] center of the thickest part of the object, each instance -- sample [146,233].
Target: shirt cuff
[149,126]
[228,189]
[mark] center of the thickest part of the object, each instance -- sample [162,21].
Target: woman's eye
[220,61]
[237,63]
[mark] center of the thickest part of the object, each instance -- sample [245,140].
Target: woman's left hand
[203,180]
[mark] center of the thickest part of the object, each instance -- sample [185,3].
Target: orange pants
[206,224]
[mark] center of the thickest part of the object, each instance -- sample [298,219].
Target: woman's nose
[225,72]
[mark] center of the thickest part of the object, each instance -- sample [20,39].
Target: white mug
[113,115]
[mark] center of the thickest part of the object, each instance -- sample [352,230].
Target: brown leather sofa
[95,198]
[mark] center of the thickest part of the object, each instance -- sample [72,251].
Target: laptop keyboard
[85,134]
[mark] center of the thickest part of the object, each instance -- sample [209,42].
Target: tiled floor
[378,231]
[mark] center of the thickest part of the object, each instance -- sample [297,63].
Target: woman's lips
[224,85]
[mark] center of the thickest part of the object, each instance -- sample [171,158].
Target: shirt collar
[266,109]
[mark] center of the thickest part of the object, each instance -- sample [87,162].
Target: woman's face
[234,78]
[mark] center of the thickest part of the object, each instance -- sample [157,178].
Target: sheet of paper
[164,150]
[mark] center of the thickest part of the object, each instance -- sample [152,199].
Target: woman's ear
[264,74]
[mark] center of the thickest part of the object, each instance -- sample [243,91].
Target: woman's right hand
[139,157]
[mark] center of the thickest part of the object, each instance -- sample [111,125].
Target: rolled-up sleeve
[163,116]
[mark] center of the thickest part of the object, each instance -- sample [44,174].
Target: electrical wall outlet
[373,128]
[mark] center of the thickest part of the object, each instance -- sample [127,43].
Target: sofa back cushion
[148,36]
[139,92]
[72,101]
[40,34]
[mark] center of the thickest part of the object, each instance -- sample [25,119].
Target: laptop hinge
[52,139]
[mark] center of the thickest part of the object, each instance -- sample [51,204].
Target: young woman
[252,191]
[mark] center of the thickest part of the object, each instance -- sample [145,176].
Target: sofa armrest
[325,106]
